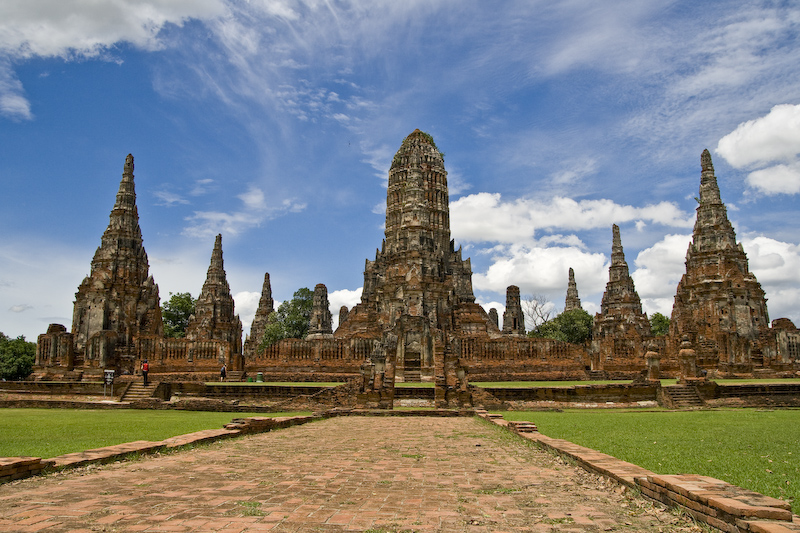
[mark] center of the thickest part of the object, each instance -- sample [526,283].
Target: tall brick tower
[621,326]
[118,300]
[719,303]
[572,301]
[214,317]
[418,287]
[266,306]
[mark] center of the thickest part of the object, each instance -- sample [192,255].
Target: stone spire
[418,289]
[719,303]
[320,323]
[214,317]
[266,306]
[620,307]
[119,296]
[572,301]
[620,328]
[620,295]
[417,272]
[513,318]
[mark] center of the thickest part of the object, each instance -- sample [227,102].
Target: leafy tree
[573,326]
[659,324]
[16,357]
[175,314]
[291,320]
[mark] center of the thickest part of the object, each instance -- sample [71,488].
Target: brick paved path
[351,473]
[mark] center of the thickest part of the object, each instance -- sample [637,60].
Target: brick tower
[214,317]
[118,300]
[620,327]
[572,300]
[719,303]
[266,306]
[418,287]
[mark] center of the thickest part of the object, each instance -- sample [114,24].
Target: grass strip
[51,432]
[754,449]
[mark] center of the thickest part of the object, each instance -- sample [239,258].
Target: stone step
[684,396]
[137,391]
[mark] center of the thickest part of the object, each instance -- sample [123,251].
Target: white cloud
[660,267]
[776,265]
[169,199]
[484,217]
[774,137]
[21,308]
[76,29]
[337,299]
[779,179]
[658,271]
[68,28]
[13,103]
[253,198]
[543,270]
[246,303]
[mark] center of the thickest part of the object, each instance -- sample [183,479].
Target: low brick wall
[622,393]
[717,503]
[12,468]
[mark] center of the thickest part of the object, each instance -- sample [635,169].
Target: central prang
[418,288]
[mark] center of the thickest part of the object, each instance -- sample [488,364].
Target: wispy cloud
[253,213]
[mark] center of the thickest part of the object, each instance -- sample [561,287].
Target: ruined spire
[718,297]
[620,292]
[119,294]
[214,317]
[709,190]
[712,229]
[266,306]
[572,301]
[320,326]
[513,319]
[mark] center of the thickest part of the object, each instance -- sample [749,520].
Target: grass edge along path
[751,448]
[52,432]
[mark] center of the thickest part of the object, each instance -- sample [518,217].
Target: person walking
[145,370]
[223,372]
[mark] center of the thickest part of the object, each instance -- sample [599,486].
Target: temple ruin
[621,327]
[417,319]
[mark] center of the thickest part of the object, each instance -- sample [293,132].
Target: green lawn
[52,432]
[755,449]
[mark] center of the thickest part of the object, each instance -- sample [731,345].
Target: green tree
[16,357]
[659,324]
[175,314]
[291,320]
[573,326]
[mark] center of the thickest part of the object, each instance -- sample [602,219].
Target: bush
[16,357]
[573,326]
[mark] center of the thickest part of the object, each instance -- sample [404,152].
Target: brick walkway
[342,474]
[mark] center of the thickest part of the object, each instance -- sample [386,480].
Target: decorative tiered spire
[620,291]
[119,294]
[266,306]
[214,317]
[719,304]
[319,326]
[513,319]
[572,301]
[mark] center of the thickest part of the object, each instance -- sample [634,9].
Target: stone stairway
[137,391]
[234,375]
[683,396]
[598,375]
[412,376]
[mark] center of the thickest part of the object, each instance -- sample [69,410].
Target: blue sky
[274,123]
